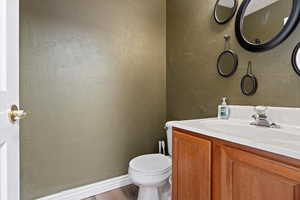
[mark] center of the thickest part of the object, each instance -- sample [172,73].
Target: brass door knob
[15,114]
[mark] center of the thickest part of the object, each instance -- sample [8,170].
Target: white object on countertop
[223,110]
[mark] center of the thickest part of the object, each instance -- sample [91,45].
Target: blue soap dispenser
[223,110]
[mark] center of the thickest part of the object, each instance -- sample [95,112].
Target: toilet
[151,173]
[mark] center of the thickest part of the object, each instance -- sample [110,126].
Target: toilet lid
[151,163]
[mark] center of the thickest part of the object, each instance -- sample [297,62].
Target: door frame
[9,95]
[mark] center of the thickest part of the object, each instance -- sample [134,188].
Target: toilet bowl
[151,173]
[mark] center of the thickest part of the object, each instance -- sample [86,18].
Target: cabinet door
[191,167]
[246,176]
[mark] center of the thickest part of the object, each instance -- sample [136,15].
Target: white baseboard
[90,190]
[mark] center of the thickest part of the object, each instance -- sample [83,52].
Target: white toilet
[151,173]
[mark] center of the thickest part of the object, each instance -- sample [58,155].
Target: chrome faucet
[261,118]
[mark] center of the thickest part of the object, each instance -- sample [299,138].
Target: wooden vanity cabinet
[205,168]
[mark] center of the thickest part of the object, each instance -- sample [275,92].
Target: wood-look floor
[129,192]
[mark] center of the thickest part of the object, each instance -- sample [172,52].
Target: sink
[284,140]
[240,131]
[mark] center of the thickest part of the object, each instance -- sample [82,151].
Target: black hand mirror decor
[249,82]
[296,59]
[263,24]
[227,61]
[225,10]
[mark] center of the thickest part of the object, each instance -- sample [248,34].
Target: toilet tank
[169,136]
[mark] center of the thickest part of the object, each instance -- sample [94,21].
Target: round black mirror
[227,63]
[224,10]
[262,25]
[249,82]
[296,59]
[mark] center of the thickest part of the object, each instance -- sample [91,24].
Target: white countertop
[283,141]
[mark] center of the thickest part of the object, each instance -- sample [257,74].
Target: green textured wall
[194,88]
[93,80]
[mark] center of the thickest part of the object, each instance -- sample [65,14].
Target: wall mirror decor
[263,24]
[227,61]
[225,10]
[296,59]
[249,82]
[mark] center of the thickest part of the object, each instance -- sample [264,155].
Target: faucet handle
[260,110]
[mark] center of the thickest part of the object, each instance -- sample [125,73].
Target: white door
[9,94]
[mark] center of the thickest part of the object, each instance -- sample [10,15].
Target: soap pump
[223,110]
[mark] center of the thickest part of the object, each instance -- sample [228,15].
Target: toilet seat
[150,172]
[151,164]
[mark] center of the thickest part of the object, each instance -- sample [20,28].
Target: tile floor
[126,193]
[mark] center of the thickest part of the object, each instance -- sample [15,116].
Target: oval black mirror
[262,25]
[225,10]
[249,82]
[227,63]
[296,59]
